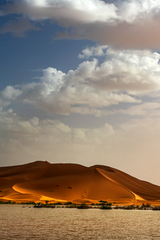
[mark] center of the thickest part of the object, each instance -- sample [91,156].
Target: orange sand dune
[40,181]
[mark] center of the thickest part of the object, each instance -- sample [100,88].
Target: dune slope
[39,181]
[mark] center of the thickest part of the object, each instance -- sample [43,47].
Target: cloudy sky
[80,83]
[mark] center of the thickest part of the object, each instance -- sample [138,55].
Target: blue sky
[80,82]
[26,56]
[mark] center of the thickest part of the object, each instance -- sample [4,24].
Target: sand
[40,181]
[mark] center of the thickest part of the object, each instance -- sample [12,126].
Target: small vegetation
[156,208]
[58,203]
[27,203]
[82,206]
[68,203]
[6,202]
[42,205]
[145,206]
[105,205]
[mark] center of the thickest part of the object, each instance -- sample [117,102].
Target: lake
[18,222]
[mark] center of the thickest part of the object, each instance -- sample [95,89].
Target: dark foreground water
[27,223]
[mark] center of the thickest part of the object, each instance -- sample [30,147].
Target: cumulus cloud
[46,139]
[93,51]
[34,130]
[132,71]
[122,24]
[92,84]
[11,93]
[124,76]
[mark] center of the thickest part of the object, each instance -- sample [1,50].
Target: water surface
[18,222]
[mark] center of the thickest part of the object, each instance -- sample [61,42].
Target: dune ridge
[134,194]
[40,181]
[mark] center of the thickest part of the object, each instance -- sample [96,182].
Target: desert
[42,181]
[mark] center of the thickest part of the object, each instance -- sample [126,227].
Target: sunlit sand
[41,181]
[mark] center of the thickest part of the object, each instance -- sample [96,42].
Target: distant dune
[40,181]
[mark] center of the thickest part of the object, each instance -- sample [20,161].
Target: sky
[80,83]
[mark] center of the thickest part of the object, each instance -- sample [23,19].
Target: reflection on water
[26,223]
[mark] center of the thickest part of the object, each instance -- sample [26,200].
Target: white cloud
[132,71]
[85,11]
[35,129]
[34,138]
[125,76]
[147,109]
[93,51]
[122,24]
[132,10]
[64,11]
[11,93]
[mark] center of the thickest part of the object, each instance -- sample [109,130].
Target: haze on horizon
[80,83]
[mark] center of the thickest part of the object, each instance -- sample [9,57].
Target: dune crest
[41,181]
[103,172]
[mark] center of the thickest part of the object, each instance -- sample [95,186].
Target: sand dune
[40,181]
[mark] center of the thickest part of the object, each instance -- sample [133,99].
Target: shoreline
[104,205]
[85,206]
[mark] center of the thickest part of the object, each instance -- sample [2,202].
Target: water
[27,223]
